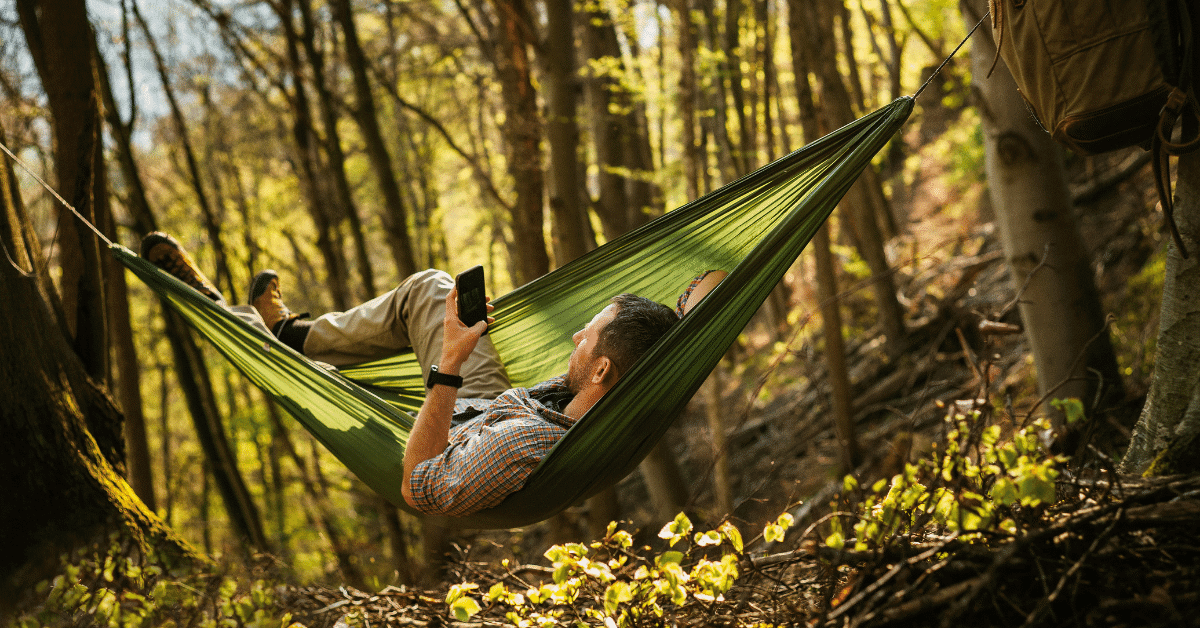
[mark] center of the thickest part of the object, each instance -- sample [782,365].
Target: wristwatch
[435,378]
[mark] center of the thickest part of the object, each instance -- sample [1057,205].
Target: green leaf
[676,529]
[498,592]
[616,593]
[1004,492]
[1072,407]
[1036,490]
[458,590]
[732,534]
[464,608]
[669,558]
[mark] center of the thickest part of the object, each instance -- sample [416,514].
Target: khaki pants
[409,316]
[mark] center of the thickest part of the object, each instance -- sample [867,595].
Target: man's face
[579,366]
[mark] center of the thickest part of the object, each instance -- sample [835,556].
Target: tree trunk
[129,386]
[139,469]
[714,411]
[628,197]
[58,35]
[835,352]
[1165,439]
[197,388]
[715,117]
[572,235]
[837,109]
[62,489]
[189,364]
[344,205]
[318,503]
[397,542]
[603,84]
[212,222]
[743,154]
[164,423]
[395,213]
[309,166]
[1059,303]
[522,131]
[694,160]
[771,90]
[645,196]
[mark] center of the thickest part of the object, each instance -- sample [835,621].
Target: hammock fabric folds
[754,227]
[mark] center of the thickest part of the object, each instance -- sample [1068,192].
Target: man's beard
[577,377]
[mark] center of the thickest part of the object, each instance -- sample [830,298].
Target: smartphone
[472,298]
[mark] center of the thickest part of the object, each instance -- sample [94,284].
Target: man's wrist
[437,376]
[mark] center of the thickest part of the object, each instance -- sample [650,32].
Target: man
[475,440]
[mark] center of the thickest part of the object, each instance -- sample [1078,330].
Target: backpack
[1099,75]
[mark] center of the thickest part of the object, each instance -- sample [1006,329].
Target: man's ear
[605,372]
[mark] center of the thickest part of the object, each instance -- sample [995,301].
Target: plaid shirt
[494,445]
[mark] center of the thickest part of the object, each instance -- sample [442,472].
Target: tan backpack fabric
[1087,68]
[1106,74]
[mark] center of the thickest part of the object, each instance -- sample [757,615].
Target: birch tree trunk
[1059,303]
[1165,440]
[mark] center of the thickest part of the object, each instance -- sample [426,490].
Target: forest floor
[1112,551]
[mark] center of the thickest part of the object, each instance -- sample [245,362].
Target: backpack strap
[1162,149]
[1180,107]
[996,10]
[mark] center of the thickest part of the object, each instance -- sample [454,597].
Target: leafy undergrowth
[113,585]
[986,533]
[986,530]
[1109,553]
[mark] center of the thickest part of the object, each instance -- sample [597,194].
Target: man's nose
[576,336]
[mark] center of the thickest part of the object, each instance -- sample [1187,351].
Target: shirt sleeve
[481,466]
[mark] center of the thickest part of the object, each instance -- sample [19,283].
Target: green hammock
[755,227]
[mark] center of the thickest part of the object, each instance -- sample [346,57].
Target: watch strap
[435,378]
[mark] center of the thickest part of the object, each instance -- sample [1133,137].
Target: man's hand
[458,340]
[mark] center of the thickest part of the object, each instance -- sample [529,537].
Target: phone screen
[472,299]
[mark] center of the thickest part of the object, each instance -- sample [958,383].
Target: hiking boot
[165,252]
[267,298]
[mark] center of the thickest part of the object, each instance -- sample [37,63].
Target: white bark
[1172,410]
[1059,303]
